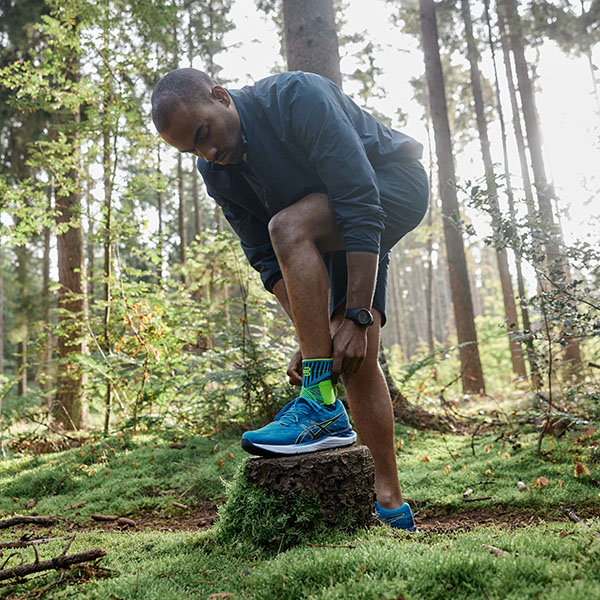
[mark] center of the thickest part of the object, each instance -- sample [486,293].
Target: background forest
[125,298]
[136,342]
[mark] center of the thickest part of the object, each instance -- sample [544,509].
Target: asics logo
[317,430]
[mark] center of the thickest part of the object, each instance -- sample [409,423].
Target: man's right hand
[294,371]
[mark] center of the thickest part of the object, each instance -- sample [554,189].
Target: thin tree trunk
[181,220]
[311,38]
[472,373]
[429,249]
[69,408]
[22,279]
[107,181]
[196,201]
[508,296]
[516,113]
[90,249]
[46,382]
[159,209]
[556,262]
[533,367]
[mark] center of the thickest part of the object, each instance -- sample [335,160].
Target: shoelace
[291,414]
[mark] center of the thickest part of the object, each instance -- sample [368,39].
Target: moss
[263,520]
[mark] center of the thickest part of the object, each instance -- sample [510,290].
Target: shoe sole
[272,450]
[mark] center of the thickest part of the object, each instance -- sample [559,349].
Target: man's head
[196,115]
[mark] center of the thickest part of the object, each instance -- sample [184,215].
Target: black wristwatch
[361,316]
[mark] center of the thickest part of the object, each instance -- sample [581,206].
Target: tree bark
[23,318]
[533,366]
[343,480]
[311,38]
[68,406]
[472,373]
[181,220]
[510,307]
[557,264]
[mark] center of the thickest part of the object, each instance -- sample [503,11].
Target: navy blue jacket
[302,134]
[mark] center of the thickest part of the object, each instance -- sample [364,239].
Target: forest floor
[480,534]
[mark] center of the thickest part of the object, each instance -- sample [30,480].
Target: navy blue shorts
[404,195]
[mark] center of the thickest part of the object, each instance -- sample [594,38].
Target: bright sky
[568,113]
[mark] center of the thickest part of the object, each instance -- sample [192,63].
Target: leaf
[521,486]
[219,595]
[541,482]
[468,492]
[220,463]
[447,469]
[426,459]
[580,468]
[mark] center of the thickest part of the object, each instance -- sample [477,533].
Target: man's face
[210,130]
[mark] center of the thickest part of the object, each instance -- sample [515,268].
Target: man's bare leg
[297,233]
[300,234]
[371,406]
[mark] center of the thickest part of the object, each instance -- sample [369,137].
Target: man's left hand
[349,349]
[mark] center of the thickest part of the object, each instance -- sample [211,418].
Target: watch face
[363,317]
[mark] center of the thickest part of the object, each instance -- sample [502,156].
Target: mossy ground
[136,476]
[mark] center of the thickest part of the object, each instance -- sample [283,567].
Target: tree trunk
[556,262]
[23,318]
[68,407]
[311,38]
[510,307]
[534,370]
[196,201]
[181,220]
[107,242]
[472,373]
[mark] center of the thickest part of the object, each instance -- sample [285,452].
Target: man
[318,191]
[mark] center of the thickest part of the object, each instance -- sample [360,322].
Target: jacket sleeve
[255,241]
[327,137]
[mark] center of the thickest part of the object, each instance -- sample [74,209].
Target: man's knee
[310,219]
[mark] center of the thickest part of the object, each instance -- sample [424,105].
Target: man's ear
[220,95]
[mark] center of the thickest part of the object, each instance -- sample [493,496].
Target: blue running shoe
[399,518]
[301,426]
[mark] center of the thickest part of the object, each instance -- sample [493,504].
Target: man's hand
[294,371]
[349,349]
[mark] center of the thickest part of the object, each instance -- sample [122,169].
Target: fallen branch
[572,516]
[25,543]
[476,499]
[591,364]
[58,562]
[330,545]
[103,518]
[22,520]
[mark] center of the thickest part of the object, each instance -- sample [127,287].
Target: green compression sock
[316,381]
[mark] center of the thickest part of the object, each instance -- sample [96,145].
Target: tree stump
[342,479]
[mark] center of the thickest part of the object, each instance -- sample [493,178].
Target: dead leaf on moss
[541,482]
[580,468]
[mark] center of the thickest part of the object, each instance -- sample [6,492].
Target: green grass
[123,476]
[549,561]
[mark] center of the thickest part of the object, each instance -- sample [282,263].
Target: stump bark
[343,480]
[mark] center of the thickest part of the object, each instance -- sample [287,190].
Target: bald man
[318,191]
